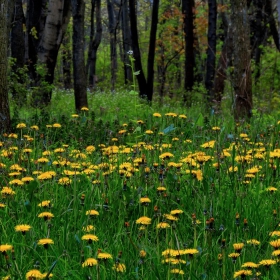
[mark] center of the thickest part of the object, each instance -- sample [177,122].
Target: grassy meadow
[125,190]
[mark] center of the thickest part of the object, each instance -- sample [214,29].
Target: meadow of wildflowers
[153,198]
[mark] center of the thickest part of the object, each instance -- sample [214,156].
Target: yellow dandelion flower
[90,238]
[23,228]
[34,127]
[119,267]
[250,265]
[34,274]
[182,116]
[144,220]
[176,212]
[92,213]
[267,263]
[84,109]
[276,253]
[157,115]
[145,200]
[21,125]
[46,215]
[163,225]
[177,271]
[209,144]
[142,254]
[45,242]
[27,179]
[88,228]
[104,256]
[65,181]
[56,125]
[6,191]
[170,217]
[45,203]
[275,243]
[90,262]
[16,182]
[253,242]
[6,247]
[238,247]
[191,251]
[242,273]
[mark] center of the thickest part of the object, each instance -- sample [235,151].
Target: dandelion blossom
[89,262]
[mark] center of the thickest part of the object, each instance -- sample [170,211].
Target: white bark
[52,34]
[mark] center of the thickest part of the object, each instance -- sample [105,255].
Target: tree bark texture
[95,42]
[5,123]
[67,61]
[127,45]
[80,81]
[136,51]
[17,49]
[188,13]
[241,78]
[35,22]
[151,53]
[57,19]
[211,50]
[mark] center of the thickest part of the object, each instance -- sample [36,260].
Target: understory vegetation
[127,190]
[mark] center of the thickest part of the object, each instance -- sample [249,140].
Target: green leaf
[133,92]
[200,120]
[137,129]
[136,73]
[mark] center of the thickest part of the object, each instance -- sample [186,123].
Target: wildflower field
[139,194]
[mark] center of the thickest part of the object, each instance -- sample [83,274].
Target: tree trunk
[224,61]
[136,51]
[151,54]
[113,43]
[66,61]
[241,78]
[272,23]
[5,123]
[35,22]
[80,81]
[188,12]
[95,41]
[17,50]
[211,50]
[54,30]
[127,45]
[278,12]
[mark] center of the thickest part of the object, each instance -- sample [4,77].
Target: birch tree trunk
[54,30]
[5,123]
[80,81]
[241,78]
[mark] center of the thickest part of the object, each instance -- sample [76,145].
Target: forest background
[217,55]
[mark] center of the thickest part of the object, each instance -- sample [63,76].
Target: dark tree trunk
[188,12]
[151,54]
[272,23]
[127,45]
[113,22]
[211,50]
[35,22]
[5,123]
[241,78]
[224,61]
[17,50]
[80,81]
[66,61]
[136,51]
[95,40]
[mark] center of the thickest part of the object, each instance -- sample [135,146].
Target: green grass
[219,208]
